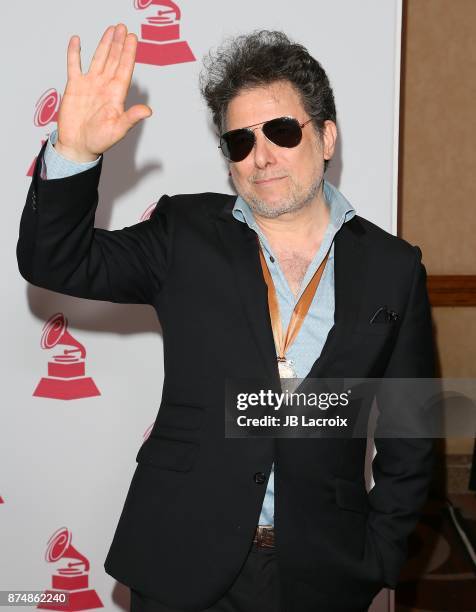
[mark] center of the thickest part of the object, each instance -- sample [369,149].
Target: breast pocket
[375,329]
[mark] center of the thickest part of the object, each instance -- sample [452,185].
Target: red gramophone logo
[160,43]
[72,579]
[66,371]
[148,212]
[46,111]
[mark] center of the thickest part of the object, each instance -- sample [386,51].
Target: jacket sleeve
[402,467]
[60,249]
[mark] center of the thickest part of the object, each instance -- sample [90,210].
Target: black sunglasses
[282,131]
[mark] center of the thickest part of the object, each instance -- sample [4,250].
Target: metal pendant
[286,368]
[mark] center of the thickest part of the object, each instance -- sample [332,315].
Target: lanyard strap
[300,309]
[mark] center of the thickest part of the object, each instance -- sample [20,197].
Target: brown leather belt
[264,536]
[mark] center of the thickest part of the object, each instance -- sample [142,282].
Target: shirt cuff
[55,166]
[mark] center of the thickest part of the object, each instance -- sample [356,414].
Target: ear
[329,137]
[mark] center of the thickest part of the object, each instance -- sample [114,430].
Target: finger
[115,51]
[74,57]
[134,115]
[126,65]
[102,50]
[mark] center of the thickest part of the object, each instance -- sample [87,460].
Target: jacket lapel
[350,270]
[241,246]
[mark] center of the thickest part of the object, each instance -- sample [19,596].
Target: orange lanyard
[299,312]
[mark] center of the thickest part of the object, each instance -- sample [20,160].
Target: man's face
[275,180]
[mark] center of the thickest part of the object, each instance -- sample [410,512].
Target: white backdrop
[68,463]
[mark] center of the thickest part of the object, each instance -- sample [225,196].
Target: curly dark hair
[261,58]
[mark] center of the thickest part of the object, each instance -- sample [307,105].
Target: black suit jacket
[195,497]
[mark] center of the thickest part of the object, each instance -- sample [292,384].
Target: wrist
[74,155]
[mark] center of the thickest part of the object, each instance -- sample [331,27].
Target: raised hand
[91,116]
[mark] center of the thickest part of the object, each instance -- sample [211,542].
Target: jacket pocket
[168,453]
[351,496]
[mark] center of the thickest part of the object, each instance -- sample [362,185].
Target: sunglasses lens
[284,131]
[237,144]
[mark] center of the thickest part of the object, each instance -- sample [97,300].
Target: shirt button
[271,259]
[259,477]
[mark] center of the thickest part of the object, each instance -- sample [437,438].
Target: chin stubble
[293,203]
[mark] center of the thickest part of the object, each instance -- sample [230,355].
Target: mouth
[269,180]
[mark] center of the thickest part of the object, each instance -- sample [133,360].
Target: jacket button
[33,200]
[259,477]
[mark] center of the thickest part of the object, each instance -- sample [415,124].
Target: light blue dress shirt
[310,340]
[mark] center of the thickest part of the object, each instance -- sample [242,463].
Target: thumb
[135,114]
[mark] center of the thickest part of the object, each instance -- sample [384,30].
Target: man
[251,524]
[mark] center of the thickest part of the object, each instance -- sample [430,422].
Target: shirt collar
[340,209]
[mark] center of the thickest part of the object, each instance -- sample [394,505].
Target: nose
[263,150]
